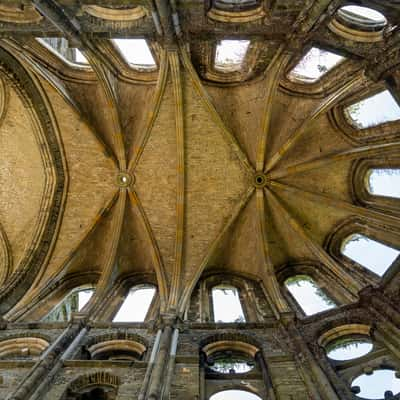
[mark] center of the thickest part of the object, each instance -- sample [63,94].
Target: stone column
[45,363]
[266,375]
[143,390]
[202,375]
[157,377]
[315,378]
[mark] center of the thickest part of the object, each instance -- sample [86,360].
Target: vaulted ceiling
[114,172]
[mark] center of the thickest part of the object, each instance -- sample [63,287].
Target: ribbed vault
[163,171]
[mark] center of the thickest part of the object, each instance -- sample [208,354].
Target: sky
[227,307]
[350,351]
[385,182]
[315,63]
[231,52]
[306,295]
[366,12]
[374,386]
[371,254]
[234,395]
[374,110]
[135,51]
[135,306]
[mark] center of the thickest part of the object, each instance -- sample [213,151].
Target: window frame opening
[234,66]
[241,318]
[343,347]
[377,270]
[125,304]
[330,302]
[370,107]
[374,387]
[229,362]
[71,54]
[234,394]
[68,312]
[382,190]
[324,70]
[121,45]
[355,16]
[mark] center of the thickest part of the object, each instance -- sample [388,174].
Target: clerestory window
[136,52]
[373,255]
[226,304]
[308,295]
[73,302]
[314,65]
[136,305]
[63,49]
[230,362]
[384,182]
[373,111]
[363,14]
[230,55]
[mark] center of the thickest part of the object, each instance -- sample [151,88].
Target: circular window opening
[348,348]
[375,386]
[362,18]
[234,395]
[228,362]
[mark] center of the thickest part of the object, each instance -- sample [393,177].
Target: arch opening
[308,295]
[226,304]
[234,395]
[136,304]
[75,301]
[373,255]
[384,182]
[373,111]
[314,65]
[375,385]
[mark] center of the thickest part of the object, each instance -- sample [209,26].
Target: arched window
[375,385]
[62,48]
[226,304]
[373,255]
[230,362]
[373,111]
[136,305]
[234,395]
[314,65]
[309,296]
[235,4]
[230,54]
[136,52]
[384,182]
[363,14]
[348,348]
[73,302]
